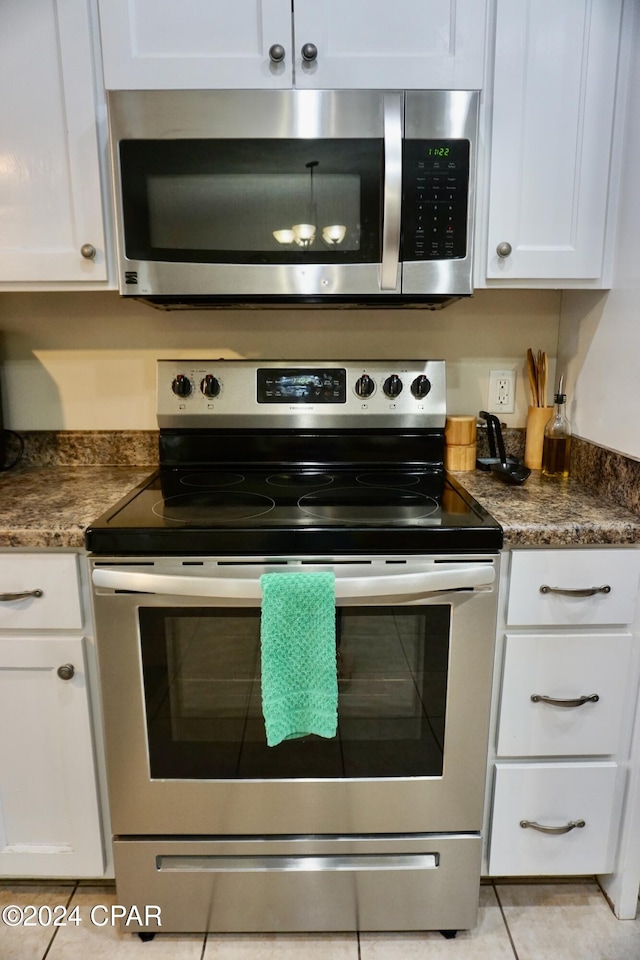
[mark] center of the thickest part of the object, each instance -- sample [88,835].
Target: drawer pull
[8,597]
[577,702]
[568,592]
[556,831]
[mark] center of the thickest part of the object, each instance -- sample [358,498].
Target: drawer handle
[585,592]
[8,597]
[555,831]
[577,702]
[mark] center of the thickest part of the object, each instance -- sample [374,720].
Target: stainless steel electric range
[296,467]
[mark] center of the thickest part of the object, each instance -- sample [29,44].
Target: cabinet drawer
[544,586]
[54,577]
[563,668]
[553,795]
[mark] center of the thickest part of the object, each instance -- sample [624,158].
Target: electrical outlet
[502,391]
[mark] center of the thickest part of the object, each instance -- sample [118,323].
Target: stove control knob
[210,386]
[181,386]
[420,387]
[392,386]
[365,385]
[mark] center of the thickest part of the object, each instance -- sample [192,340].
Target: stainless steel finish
[163,278]
[455,115]
[444,804]
[237,402]
[405,586]
[504,250]
[66,671]
[228,114]
[392,210]
[554,831]
[570,592]
[309,52]
[555,702]
[276,53]
[384,894]
[10,597]
[88,251]
[306,114]
[301,863]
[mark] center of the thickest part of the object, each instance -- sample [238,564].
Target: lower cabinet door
[553,819]
[49,813]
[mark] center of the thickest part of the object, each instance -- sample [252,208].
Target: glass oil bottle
[556,447]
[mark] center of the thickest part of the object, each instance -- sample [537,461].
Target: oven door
[179,653]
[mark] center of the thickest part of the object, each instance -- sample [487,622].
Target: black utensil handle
[494,431]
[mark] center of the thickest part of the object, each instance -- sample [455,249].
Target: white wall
[600,334]
[74,361]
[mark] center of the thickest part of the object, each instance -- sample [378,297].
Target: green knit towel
[298,640]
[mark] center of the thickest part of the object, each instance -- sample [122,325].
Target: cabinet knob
[66,671]
[309,52]
[276,53]
[88,251]
[504,250]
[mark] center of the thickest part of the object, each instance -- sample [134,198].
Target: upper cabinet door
[197,44]
[553,108]
[51,221]
[407,44]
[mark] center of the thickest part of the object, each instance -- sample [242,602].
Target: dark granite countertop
[551,511]
[50,506]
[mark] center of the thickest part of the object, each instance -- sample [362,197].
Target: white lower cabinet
[553,819]
[562,697]
[50,815]
[567,672]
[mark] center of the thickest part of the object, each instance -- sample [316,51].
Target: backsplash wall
[86,361]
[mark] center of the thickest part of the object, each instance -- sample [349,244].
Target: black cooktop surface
[214,511]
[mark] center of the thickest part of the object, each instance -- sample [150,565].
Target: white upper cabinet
[196,44]
[51,221]
[161,44]
[551,150]
[429,44]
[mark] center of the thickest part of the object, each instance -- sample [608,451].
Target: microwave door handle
[448,577]
[392,206]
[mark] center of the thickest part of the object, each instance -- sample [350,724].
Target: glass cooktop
[294,511]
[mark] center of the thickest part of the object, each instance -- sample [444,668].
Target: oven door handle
[446,577]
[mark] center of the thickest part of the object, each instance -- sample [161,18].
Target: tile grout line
[504,918]
[55,930]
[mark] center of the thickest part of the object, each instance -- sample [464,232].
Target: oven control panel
[273,393]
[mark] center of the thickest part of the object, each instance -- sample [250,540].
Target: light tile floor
[523,921]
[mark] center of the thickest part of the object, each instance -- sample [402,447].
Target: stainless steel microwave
[290,197]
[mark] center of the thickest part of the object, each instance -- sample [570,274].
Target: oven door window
[201,669]
[252,201]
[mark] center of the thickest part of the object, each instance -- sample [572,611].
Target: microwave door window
[272,201]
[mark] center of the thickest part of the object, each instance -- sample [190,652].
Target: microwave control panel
[435,199]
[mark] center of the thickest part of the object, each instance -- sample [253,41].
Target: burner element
[398,479]
[206,509]
[368,504]
[300,479]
